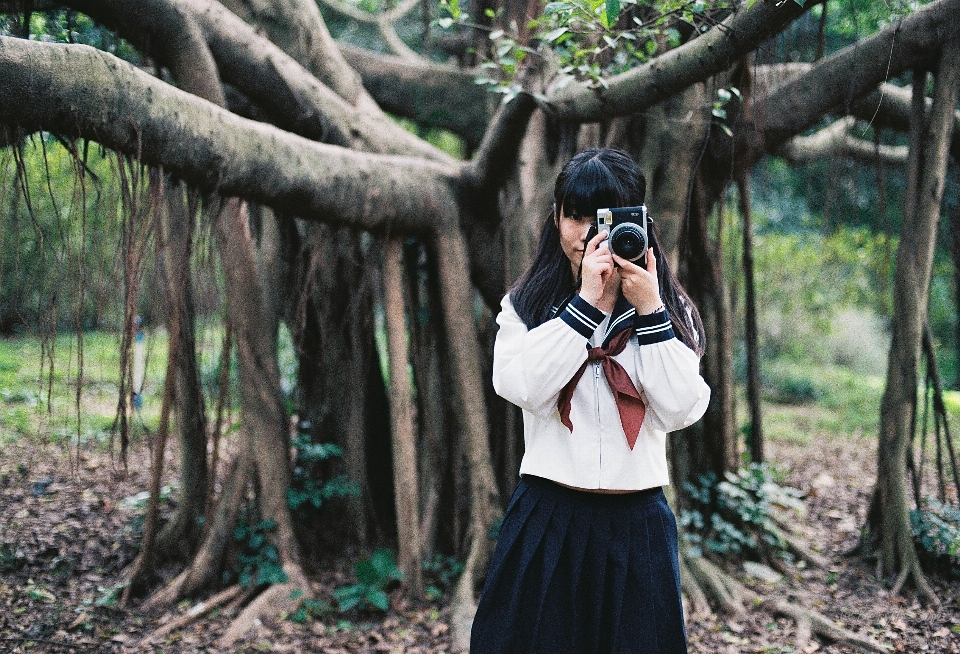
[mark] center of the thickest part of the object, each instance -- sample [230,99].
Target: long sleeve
[530,367]
[669,372]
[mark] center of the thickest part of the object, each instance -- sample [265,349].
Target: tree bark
[79,91]
[182,533]
[888,521]
[465,362]
[406,480]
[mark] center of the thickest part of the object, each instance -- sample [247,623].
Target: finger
[651,262]
[594,242]
[624,264]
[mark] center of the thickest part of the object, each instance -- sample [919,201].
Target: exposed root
[464,606]
[805,553]
[726,592]
[824,626]
[194,614]
[804,632]
[275,600]
[927,594]
[204,568]
[697,602]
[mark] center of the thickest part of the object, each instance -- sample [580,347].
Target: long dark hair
[593,179]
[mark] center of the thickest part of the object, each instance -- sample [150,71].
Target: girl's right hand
[598,274]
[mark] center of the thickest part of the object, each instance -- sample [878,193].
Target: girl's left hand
[640,286]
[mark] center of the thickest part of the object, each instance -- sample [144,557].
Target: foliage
[736,515]
[820,299]
[305,489]
[68,26]
[439,574]
[936,529]
[310,609]
[374,575]
[258,562]
[586,40]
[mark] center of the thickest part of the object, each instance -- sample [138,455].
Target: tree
[316,149]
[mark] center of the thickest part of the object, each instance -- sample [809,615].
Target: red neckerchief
[628,400]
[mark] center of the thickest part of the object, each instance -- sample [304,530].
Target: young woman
[603,357]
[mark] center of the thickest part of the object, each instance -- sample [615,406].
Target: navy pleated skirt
[582,573]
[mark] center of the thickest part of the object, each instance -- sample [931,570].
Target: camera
[627,227]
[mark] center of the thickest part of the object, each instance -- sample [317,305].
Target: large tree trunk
[888,524]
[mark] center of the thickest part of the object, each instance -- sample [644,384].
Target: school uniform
[573,571]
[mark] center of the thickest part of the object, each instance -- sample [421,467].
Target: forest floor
[66,534]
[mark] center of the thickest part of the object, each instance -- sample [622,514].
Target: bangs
[592,186]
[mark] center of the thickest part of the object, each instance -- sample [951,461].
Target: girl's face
[573,235]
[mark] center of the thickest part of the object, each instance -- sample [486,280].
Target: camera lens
[629,241]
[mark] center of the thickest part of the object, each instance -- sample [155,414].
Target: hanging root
[278,599]
[823,626]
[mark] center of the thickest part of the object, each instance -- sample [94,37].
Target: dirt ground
[65,537]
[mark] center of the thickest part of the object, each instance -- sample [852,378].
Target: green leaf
[553,35]
[366,573]
[379,599]
[383,561]
[556,7]
[613,11]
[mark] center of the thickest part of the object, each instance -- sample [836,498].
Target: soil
[66,536]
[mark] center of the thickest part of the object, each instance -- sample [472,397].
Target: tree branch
[835,82]
[82,92]
[697,60]
[497,155]
[835,140]
[889,106]
[430,94]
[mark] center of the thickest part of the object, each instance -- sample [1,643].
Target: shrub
[936,530]
[258,562]
[735,515]
[306,488]
[373,578]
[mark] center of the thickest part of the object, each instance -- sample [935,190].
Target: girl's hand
[599,279]
[640,285]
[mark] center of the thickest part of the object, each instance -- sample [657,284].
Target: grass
[804,402]
[38,402]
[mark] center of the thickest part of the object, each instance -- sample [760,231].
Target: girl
[603,357]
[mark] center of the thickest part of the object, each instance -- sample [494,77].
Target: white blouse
[530,367]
